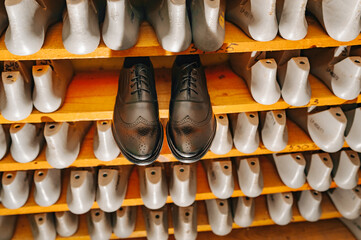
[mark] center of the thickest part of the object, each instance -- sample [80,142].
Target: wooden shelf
[235,41]
[262,218]
[91,96]
[298,141]
[272,184]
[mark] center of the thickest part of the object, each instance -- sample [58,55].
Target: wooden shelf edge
[261,218]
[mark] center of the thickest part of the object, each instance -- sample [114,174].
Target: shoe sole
[134,160]
[198,156]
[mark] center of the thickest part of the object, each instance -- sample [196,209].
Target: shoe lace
[189,79]
[139,80]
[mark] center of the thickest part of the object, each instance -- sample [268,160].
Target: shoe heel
[219,216]
[42,226]
[280,207]
[220,177]
[156,223]
[124,220]
[250,177]
[99,225]
[244,210]
[291,169]
[274,130]
[185,222]
[47,186]
[245,131]
[309,205]
[222,142]
[104,145]
[15,189]
[347,201]
[66,223]
[319,167]
[346,166]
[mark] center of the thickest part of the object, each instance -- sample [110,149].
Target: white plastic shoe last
[319,168]
[340,72]
[291,169]
[66,223]
[208,24]
[222,142]
[15,189]
[4,141]
[124,220]
[169,19]
[257,18]
[63,142]
[80,194]
[346,167]
[292,19]
[274,130]
[245,131]
[309,205]
[353,129]
[81,31]
[47,186]
[104,146]
[183,184]
[347,201]
[51,80]
[220,177]
[280,207]
[112,187]
[42,226]
[185,222]
[259,74]
[121,24]
[292,75]
[99,225]
[341,21]
[353,225]
[3,17]
[250,177]
[153,185]
[27,141]
[28,23]
[156,223]
[244,210]
[15,91]
[326,127]
[7,226]
[219,216]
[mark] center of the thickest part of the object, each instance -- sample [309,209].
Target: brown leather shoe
[136,126]
[192,125]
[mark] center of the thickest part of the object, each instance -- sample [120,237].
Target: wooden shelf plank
[262,218]
[235,41]
[91,96]
[272,184]
[298,141]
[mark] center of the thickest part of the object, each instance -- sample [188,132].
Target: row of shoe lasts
[328,127]
[43,86]
[220,213]
[293,169]
[260,19]
[266,73]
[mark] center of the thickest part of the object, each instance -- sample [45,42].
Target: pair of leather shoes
[136,126]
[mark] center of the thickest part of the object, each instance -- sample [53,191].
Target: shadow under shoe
[136,126]
[192,125]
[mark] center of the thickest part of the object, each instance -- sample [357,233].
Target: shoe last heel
[219,216]
[47,186]
[15,189]
[27,141]
[112,187]
[183,184]
[319,168]
[220,177]
[245,131]
[104,145]
[42,226]
[124,220]
[291,169]
[80,194]
[99,225]
[222,142]
[185,222]
[274,130]
[250,177]
[244,210]
[309,205]
[280,207]
[353,129]
[347,201]
[7,226]
[153,186]
[346,167]
[156,223]
[66,223]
